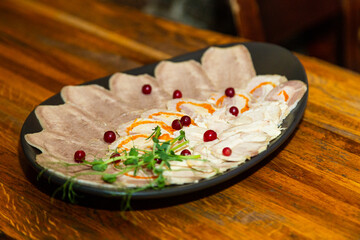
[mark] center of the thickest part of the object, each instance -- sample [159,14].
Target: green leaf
[148,157]
[110,178]
[101,167]
[131,161]
[133,152]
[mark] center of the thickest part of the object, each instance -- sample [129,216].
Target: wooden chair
[280,20]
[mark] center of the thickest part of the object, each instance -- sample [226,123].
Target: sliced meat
[97,101]
[64,147]
[240,99]
[268,127]
[231,66]
[191,107]
[187,76]
[128,88]
[243,146]
[162,115]
[143,126]
[139,141]
[290,92]
[182,175]
[263,111]
[68,120]
[261,85]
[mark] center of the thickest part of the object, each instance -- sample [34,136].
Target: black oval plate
[267,59]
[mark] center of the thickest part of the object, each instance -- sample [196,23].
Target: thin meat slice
[64,147]
[68,120]
[188,77]
[243,145]
[191,107]
[231,65]
[289,92]
[128,88]
[261,85]
[102,104]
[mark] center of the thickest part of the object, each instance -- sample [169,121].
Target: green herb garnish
[157,160]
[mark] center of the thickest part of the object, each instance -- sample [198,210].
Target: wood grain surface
[309,189]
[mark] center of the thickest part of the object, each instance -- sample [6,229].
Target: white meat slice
[139,141]
[263,111]
[128,88]
[261,85]
[231,66]
[162,115]
[240,100]
[144,126]
[194,134]
[182,175]
[191,107]
[243,146]
[268,127]
[187,76]
[289,92]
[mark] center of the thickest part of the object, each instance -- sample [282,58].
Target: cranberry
[114,155]
[230,92]
[109,136]
[185,152]
[146,89]
[185,121]
[79,156]
[234,111]
[176,124]
[177,94]
[157,160]
[226,151]
[210,135]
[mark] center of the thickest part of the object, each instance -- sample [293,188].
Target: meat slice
[128,88]
[268,127]
[68,120]
[143,126]
[244,145]
[182,175]
[64,147]
[264,111]
[289,92]
[191,107]
[162,115]
[231,66]
[102,104]
[188,77]
[261,85]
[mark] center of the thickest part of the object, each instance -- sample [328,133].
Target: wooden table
[308,190]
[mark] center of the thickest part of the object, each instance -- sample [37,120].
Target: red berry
[177,94]
[185,152]
[176,124]
[226,151]
[114,155]
[185,121]
[210,135]
[230,92]
[79,156]
[157,160]
[234,111]
[146,89]
[109,136]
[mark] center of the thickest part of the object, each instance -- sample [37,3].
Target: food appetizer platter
[169,128]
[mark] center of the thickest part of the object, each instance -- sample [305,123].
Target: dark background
[313,27]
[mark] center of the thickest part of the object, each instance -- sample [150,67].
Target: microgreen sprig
[157,160]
